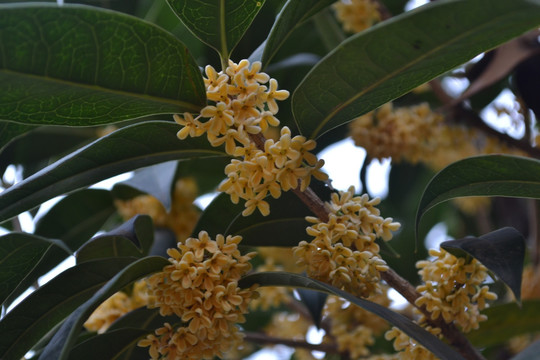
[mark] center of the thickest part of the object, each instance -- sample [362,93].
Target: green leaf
[488,175]
[292,15]
[132,238]
[77,65]
[62,342]
[156,180]
[142,318]
[72,223]
[126,149]
[501,251]
[108,345]
[506,321]
[285,226]
[429,341]
[314,302]
[42,310]
[393,57]
[9,131]
[218,23]
[20,253]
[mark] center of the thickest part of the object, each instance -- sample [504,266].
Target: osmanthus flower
[343,251]
[200,286]
[357,15]
[452,289]
[241,107]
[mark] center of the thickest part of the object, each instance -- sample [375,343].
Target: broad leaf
[62,342]
[293,14]
[20,253]
[501,251]
[429,341]
[218,23]
[77,65]
[156,180]
[393,57]
[489,175]
[9,131]
[126,149]
[72,223]
[42,310]
[285,226]
[107,346]
[506,321]
[132,238]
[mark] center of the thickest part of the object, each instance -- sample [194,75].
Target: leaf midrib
[192,107]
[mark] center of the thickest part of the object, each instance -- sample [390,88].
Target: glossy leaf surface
[429,341]
[66,336]
[393,57]
[20,253]
[291,16]
[489,175]
[502,251]
[77,65]
[126,149]
[42,310]
[109,345]
[218,23]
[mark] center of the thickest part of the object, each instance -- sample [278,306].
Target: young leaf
[292,15]
[218,23]
[64,339]
[126,149]
[393,57]
[285,226]
[506,321]
[132,238]
[488,175]
[71,223]
[108,345]
[76,65]
[156,180]
[20,253]
[426,339]
[42,310]
[501,251]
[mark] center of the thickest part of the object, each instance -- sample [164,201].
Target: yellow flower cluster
[353,328]
[243,108]
[452,289]
[182,217]
[343,251]
[409,349]
[201,288]
[116,306]
[416,134]
[357,15]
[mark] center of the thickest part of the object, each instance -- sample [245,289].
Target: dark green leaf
[501,251]
[42,310]
[218,23]
[156,180]
[20,253]
[429,341]
[126,149]
[489,175]
[10,130]
[506,321]
[393,57]
[314,302]
[133,238]
[72,223]
[285,226]
[77,65]
[66,336]
[142,318]
[291,16]
[207,173]
[107,346]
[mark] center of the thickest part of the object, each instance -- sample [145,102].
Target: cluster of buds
[357,15]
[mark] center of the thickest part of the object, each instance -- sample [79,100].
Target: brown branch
[261,338]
